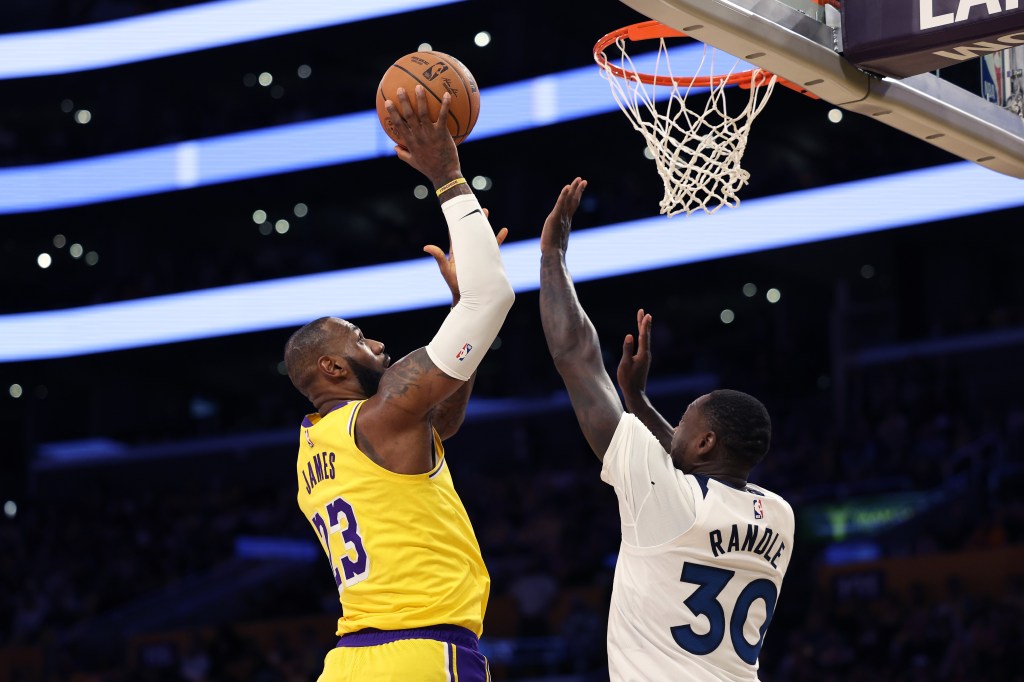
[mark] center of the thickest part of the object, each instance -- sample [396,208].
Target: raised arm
[448,416]
[394,425]
[572,340]
[632,378]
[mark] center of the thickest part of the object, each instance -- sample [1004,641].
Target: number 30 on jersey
[710,582]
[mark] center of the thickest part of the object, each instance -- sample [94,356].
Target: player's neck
[719,473]
[328,403]
[732,481]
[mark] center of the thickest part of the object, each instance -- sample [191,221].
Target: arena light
[757,224]
[177,31]
[509,108]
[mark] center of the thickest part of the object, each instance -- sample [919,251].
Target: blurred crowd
[95,542]
[953,636]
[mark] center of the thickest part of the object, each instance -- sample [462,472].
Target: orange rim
[647,30]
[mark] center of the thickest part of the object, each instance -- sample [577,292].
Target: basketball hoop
[697,151]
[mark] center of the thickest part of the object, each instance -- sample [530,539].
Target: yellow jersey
[401,546]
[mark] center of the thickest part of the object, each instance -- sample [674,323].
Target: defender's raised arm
[572,340]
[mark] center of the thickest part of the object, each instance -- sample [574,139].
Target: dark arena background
[150,530]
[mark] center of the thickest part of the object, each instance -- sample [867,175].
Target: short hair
[741,423]
[302,351]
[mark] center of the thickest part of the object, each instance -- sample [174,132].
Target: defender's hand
[555,235]
[636,361]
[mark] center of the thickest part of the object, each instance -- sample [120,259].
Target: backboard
[801,40]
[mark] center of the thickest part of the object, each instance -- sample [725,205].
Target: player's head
[728,428]
[330,358]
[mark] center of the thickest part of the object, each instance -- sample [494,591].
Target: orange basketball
[438,73]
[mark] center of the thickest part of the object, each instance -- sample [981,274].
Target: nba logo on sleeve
[758,510]
[463,352]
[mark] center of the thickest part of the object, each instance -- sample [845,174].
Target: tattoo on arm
[394,429]
[566,325]
[415,383]
[574,347]
[447,417]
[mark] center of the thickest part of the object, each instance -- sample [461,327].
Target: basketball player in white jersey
[703,551]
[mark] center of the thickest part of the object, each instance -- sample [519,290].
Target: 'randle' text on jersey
[755,539]
[319,467]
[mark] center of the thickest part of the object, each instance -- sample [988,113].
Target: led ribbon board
[843,210]
[178,31]
[509,108]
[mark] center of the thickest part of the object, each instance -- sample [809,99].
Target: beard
[367,376]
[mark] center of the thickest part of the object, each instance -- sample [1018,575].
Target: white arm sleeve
[485,295]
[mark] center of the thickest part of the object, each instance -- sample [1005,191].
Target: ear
[707,444]
[333,367]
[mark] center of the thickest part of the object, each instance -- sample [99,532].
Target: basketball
[438,73]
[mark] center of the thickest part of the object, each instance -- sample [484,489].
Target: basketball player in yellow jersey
[373,479]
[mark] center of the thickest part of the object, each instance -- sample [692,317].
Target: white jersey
[699,570]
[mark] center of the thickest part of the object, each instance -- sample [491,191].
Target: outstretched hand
[446,262]
[636,358]
[425,145]
[555,235]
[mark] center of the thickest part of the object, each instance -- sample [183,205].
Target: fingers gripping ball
[438,73]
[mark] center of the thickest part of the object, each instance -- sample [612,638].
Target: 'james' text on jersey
[319,467]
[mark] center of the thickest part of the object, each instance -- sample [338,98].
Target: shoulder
[631,431]
[761,490]
[633,447]
[630,437]
[344,412]
[768,494]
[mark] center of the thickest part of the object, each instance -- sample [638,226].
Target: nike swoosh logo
[476,210]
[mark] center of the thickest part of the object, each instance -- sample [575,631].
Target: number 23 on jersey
[339,530]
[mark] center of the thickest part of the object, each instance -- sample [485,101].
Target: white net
[697,145]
